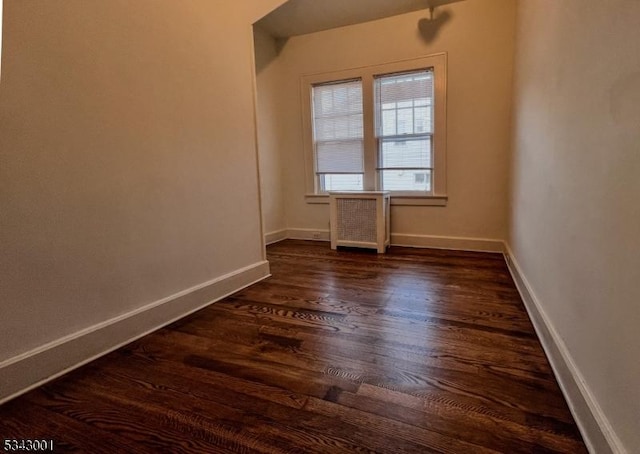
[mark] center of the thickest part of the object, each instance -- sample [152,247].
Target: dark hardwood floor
[416,350]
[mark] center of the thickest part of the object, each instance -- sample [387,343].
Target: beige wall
[479,40]
[1,9]
[575,212]
[269,131]
[127,157]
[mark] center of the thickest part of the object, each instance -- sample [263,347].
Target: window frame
[372,178]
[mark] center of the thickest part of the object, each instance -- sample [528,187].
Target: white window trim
[438,195]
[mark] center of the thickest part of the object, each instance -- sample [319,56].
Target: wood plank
[415,350]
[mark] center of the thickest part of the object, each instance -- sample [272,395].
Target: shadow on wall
[267,48]
[430,27]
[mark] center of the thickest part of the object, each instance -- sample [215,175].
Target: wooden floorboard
[416,350]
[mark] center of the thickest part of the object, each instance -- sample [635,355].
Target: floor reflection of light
[411,302]
[395,318]
[329,279]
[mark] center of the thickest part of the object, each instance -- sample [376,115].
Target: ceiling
[298,17]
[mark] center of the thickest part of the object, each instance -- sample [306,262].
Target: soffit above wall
[299,17]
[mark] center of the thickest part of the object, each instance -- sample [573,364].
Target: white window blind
[338,134]
[404,129]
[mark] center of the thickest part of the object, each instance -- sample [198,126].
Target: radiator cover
[360,219]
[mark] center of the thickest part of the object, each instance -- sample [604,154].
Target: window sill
[433,200]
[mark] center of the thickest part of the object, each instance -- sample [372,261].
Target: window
[404,117]
[338,135]
[381,127]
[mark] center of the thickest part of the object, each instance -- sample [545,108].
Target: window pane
[423,123]
[405,121]
[389,122]
[410,96]
[406,180]
[415,152]
[342,182]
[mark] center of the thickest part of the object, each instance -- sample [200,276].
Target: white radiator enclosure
[360,219]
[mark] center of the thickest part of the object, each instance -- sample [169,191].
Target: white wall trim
[256,151]
[447,242]
[308,234]
[34,368]
[408,240]
[275,236]
[596,430]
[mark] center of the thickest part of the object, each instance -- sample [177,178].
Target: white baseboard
[447,242]
[36,367]
[408,240]
[308,234]
[275,236]
[596,430]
